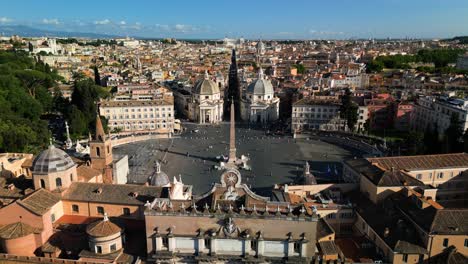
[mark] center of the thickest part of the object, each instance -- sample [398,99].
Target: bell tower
[101,152]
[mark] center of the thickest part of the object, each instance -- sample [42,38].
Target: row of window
[312,109]
[140,116]
[112,247]
[318,116]
[347,215]
[440,175]
[99,210]
[144,109]
[58,182]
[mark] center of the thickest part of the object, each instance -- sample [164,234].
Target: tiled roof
[112,193]
[409,248]
[40,201]
[422,162]
[381,176]
[16,230]
[86,173]
[135,103]
[102,228]
[450,222]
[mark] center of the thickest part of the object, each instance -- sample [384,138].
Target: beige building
[317,113]
[135,116]
[15,164]
[446,174]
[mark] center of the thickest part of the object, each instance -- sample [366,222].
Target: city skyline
[251,20]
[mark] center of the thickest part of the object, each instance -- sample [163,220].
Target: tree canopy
[24,98]
[440,57]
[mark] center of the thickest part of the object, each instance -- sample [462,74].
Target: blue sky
[267,19]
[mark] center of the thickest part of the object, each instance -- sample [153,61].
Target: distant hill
[26,31]
[460,39]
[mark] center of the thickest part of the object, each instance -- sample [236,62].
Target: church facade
[206,103]
[259,105]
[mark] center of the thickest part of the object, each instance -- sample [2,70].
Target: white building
[317,113]
[363,116]
[430,111]
[207,104]
[135,116]
[353,81]
[260,104]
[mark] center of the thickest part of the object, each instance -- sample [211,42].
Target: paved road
[274,159]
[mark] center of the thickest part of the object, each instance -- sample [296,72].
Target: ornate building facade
[259,104]
[229,223]
[207,103]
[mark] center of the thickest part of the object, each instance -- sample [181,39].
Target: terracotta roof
[112,193]
[135,103]
[16,230]
[423,162]
[27,163]
[40,201]
[408,248]
[380,176]
[450,221]
[86,173]
[102,228]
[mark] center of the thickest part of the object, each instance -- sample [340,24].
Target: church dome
[103,228]
[261,86]
[52,160]
[206,86]
[159,177]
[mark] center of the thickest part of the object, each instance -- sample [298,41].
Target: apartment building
[317,113]
[430,111]
[135,116]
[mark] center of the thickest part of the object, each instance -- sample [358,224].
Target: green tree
[465,141]
[349,110]
[97,77]
[374,67]
[414,142]
[453,135]
[431,140]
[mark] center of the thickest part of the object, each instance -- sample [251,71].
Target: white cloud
[102,22]
[123,22]
[181,28]
[5,20]
[325,32]
[52,21]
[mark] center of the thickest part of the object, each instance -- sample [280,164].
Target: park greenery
[95,43]
[24,97]
[300,68]
[26,103]
[439,57]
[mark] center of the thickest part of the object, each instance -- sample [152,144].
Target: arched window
[98,152]
[42,183]
[58,182]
